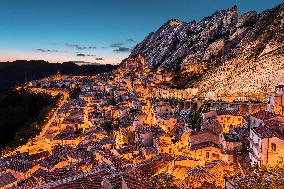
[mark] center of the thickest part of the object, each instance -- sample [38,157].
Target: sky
[102,31]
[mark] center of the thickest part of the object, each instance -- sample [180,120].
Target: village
[128,128]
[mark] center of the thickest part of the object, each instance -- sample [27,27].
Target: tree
[195,119]
[74,93]
[108,126]
[195,116]
[205,107]
[22,115]
[111,101]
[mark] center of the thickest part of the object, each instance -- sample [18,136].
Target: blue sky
[95,30]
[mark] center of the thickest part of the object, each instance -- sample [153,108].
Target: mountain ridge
[221,53]
[21,71]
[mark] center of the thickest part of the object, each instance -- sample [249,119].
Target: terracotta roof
[271,123]
[204,145]
[39,173]
[203,131]
[197,176]
[20,166]
[266,132]
[6,178]
[127,149]
[263,132]
[228,112]
[264,115]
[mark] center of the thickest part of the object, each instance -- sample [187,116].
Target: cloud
[130,40]
[83,55]
[46,50]
[85,63]
[116,45]
[99,58]
[122,49]
[80,47]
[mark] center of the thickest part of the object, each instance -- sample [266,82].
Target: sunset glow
[141,94]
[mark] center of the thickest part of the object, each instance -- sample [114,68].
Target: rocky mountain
[223,54]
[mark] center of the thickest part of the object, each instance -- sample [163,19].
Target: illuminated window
[273,147]
[207,155]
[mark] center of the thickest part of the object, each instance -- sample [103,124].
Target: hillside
[12,73]
[22,113]
[223,54]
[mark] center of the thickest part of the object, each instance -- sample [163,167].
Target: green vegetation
[195,116]
[108,126]
[195,119]
[74,93]
[111,101]
[22,116]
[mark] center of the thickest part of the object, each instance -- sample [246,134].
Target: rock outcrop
[223,53]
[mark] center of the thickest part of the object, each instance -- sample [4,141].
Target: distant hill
[223,54]
[17,72]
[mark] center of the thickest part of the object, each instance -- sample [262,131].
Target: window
[207,155]
[273,147]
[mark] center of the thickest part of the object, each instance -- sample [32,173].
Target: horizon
[79,63]
[148,94]
[93,31]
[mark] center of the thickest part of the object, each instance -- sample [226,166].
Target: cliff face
[222,53]
[254,62]
[176,42]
